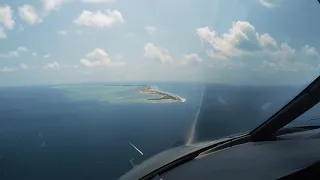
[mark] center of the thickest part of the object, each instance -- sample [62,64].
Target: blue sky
[223,41]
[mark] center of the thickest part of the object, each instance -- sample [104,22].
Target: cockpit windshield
[91,88]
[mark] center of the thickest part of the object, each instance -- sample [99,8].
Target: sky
[219,41]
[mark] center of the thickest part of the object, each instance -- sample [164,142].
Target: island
[163,95]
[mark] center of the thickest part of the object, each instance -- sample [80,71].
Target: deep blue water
[45,135]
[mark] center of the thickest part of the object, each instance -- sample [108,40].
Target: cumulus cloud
[97,54]
[6,16]
[98,1]
[99,58]
[191,58]
[108,18]
[269,3]
[28,14]
[88,63]
[61,32]
[34,54]
[243,42]
[240,39]
[310,51]
[46,56]
[216,55]
[157,53]
[8,69]
[24,66]
[150,29]
[50,5]
[266,41]
[2,34]
[13,53]
[22,49]
[101,63]
[52,65]
[287,58]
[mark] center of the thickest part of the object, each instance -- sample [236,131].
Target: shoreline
[164,95]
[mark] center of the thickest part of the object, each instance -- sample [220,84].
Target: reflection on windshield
[309,118]
[90,84]
[247,107]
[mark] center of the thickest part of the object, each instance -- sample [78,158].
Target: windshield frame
[304,101]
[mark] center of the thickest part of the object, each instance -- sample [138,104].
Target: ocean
[83,132]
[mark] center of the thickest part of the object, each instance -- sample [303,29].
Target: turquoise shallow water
[83,131]
[110,93]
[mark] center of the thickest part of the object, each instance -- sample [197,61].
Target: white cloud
[63,33]
[266,40]
[242,43]
[98,1]
[9,54]
[191,58]
[49,5]
[100,19]
[24,66]
[46,56]
[269,3]
[150,29]
[311,51]
[2,34]
[205,34]
[22,49]
[8,69]
[88,63]
[287,58]
[99,58]
[241,39]
[157,53]
[102,63]
[216,55]
[28,14]
[52,65]
[34,54]
[14,53]
[97,54]
[6,16]
[285,52]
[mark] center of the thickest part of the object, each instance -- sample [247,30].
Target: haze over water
[83,131]
[54,133]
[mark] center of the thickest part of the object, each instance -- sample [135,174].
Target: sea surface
[82,132]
